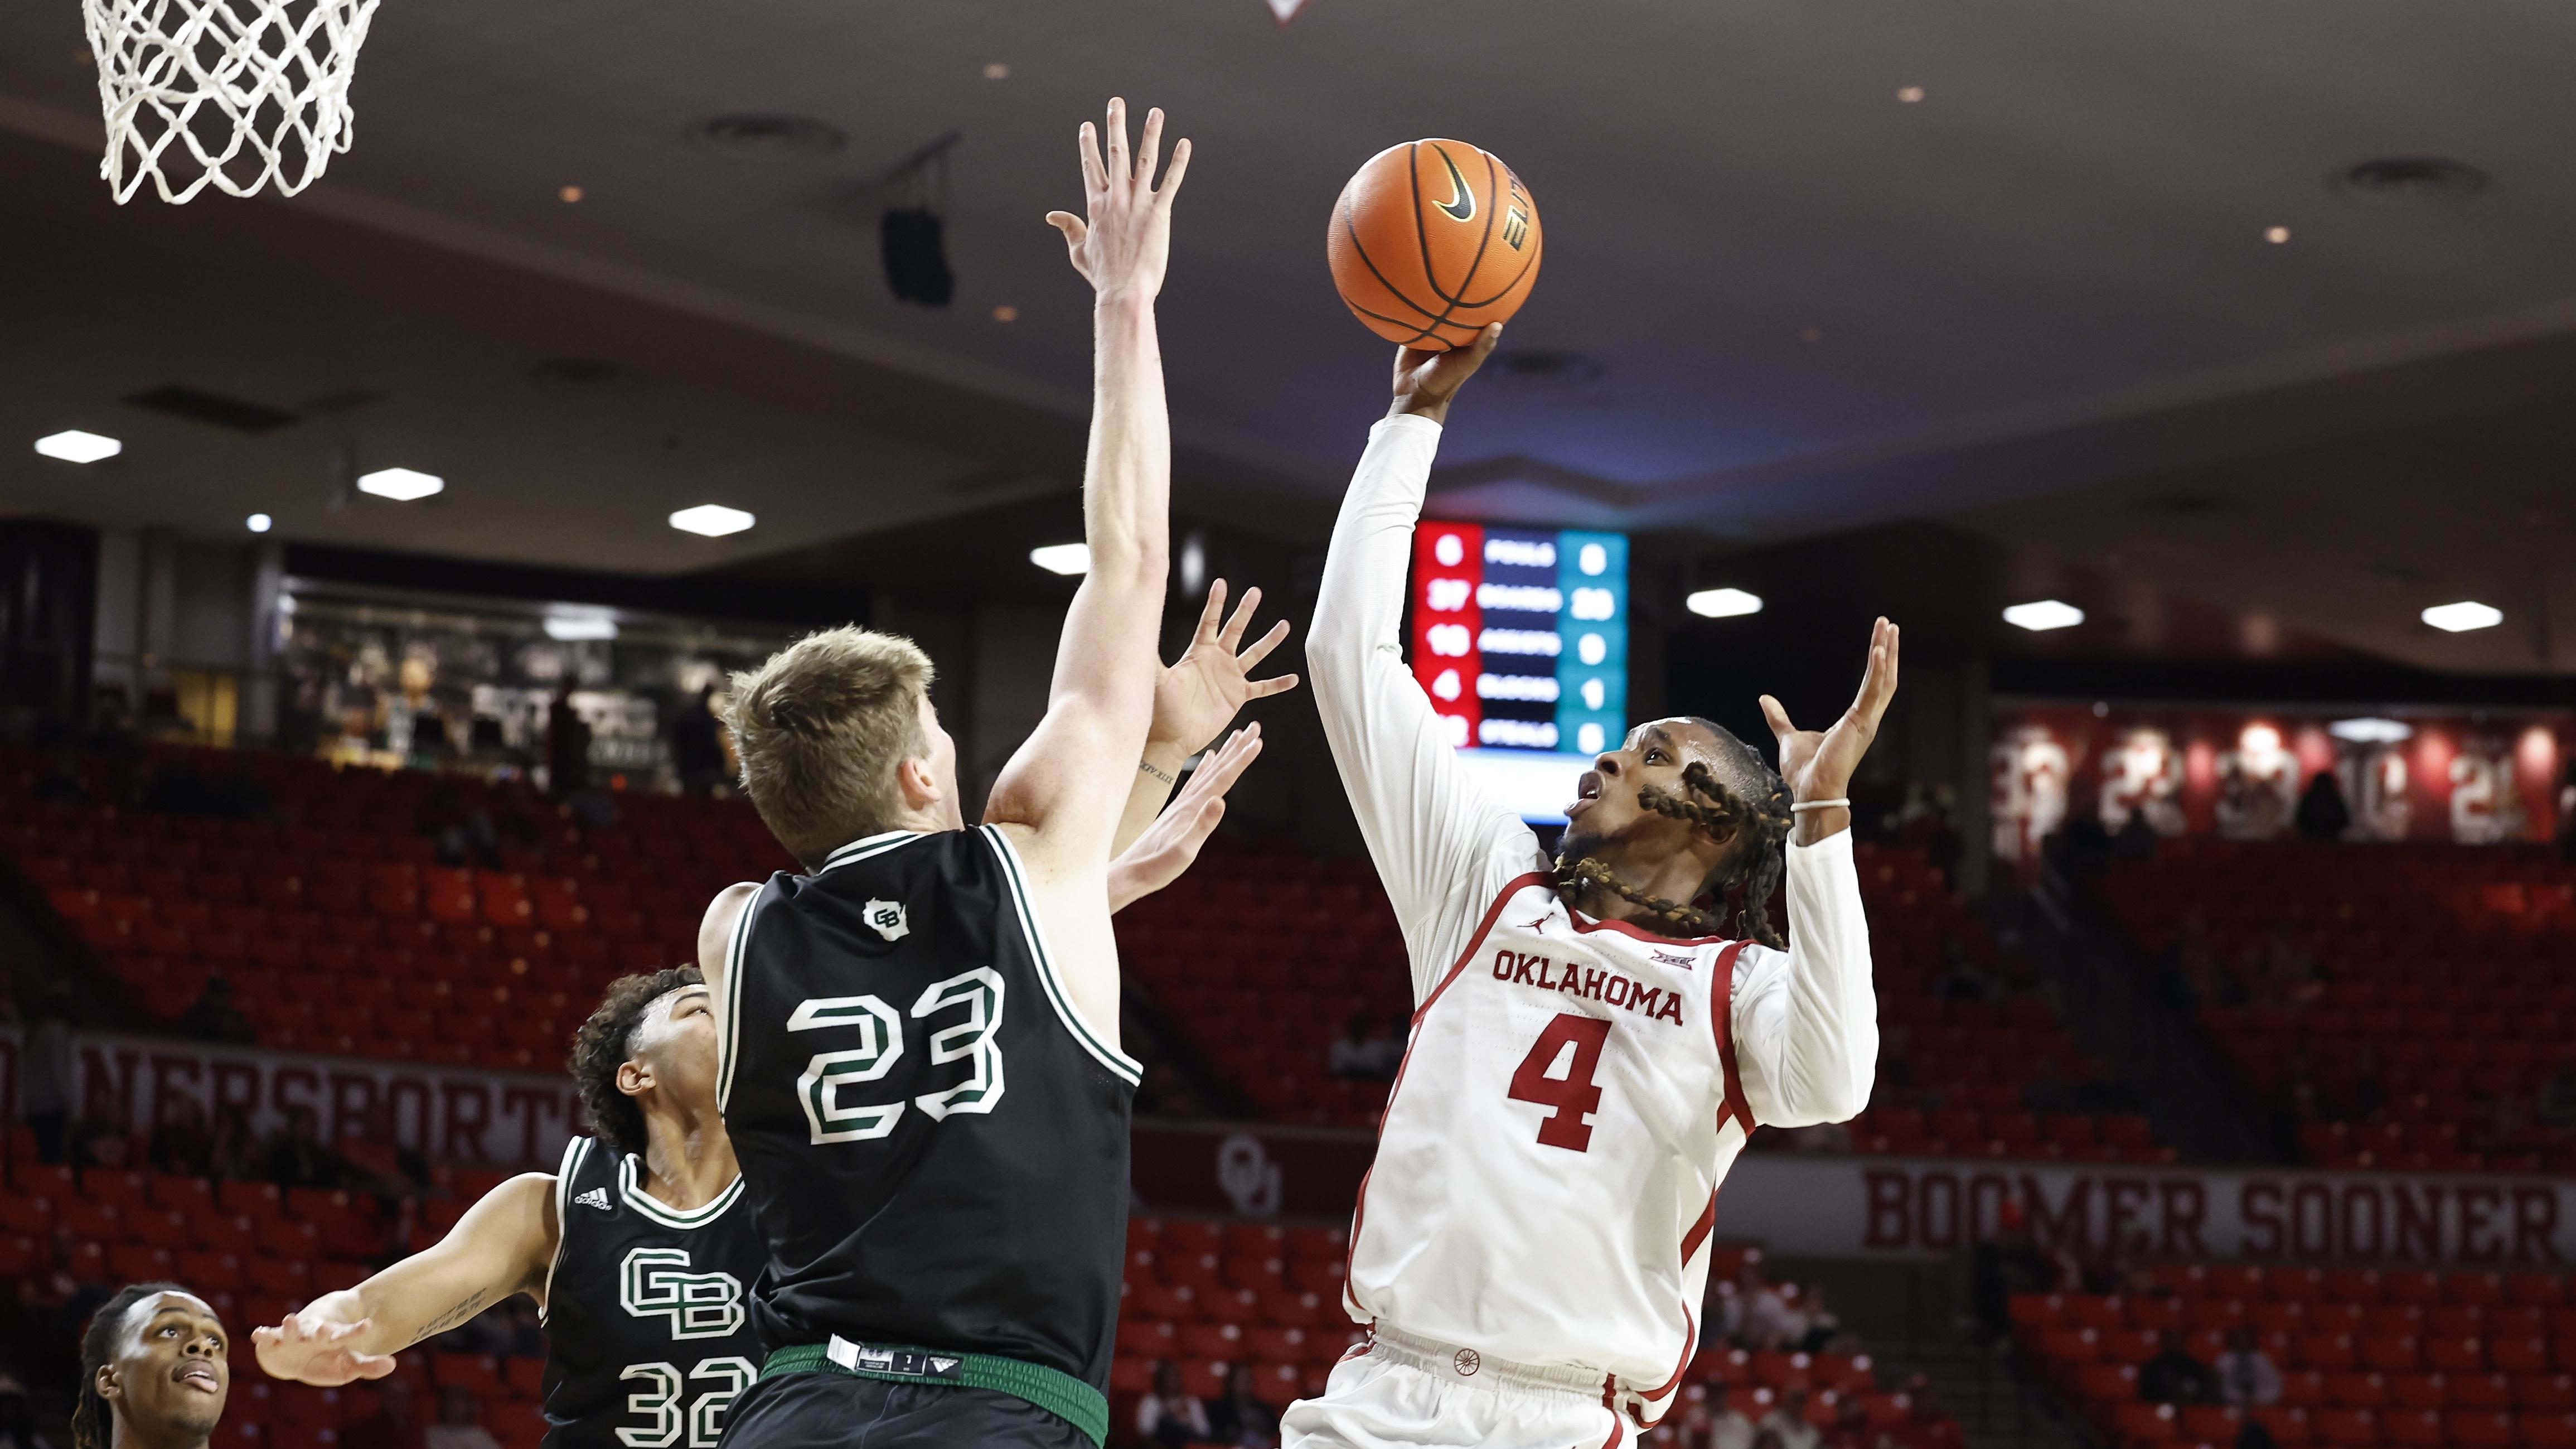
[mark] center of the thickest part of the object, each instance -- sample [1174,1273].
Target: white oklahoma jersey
[1530,1246]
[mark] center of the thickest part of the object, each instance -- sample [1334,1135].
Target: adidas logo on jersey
[597,1197]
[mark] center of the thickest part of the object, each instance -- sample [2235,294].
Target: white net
[234,94]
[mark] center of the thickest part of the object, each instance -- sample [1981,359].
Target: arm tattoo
[1158,772]
[473,1304]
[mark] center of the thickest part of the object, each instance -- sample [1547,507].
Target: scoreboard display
[1520,637]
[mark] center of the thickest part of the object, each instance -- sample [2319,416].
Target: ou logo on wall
[1250,1179]
[656,1282]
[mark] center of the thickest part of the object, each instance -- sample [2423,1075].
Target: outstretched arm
[503,1245]
[1807,1020]
[1441,847]
[1068,784]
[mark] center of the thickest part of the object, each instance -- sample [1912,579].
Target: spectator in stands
[460,1423]
[2173,1376]
[2557,1104]
[1170,1416]
[1771,1316]
[697,750]
[181,1145]
[49,1075]
[1727,1426]
[297,1156]
[567,748]
[392,1426]
[1358,1052]
[2322,813]
[97,1142]
[1851,1425]
[17,1425]
[1788,1424]
[2246,1376]
[236,1154]
[1825,1331]
[1241,1418]
[216,1014]
[62,1295]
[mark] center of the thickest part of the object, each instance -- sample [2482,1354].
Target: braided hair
[1753,870]
[93,1422]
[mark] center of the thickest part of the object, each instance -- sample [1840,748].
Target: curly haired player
[1589,1048]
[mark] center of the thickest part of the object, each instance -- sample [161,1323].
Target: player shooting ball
[1591,1046]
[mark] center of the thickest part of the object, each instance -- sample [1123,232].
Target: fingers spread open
[1242,619]
[1172,175]
[1095,175]
[1121,172]
[1150,149]
[1214,613]
[1262,646]
[1778,718]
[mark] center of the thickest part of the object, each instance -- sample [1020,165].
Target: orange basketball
[1431,241]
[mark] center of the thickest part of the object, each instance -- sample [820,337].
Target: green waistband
[1060,1394]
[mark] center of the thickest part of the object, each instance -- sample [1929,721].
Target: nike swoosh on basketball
[1462,202]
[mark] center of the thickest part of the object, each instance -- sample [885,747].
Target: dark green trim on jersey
[1127,1068]
[1066,1397]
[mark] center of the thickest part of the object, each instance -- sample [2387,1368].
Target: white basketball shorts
[1403,1391]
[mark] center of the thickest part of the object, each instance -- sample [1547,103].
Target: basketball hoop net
[235,94]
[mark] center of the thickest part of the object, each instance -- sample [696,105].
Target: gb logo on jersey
[656,1282]
[886,919]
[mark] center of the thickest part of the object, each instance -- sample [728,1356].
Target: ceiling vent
[772,133]
[213,408]
[2403,181]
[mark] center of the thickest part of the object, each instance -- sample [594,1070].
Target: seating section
[2366,1357]
[2401,1006]
[339,930]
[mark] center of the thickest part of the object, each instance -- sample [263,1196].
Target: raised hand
[1211,682]
[1122,245]
[314,1350]
[1426,381]
[1819,766]
[1172,842]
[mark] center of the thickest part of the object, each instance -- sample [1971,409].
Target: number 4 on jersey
[1573,1095]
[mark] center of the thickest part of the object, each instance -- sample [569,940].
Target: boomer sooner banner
[502,1119]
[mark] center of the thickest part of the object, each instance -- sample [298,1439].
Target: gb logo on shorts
[886,919]
[657,1281]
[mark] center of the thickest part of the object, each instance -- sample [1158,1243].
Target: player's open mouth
[200,1376]
[1586,790]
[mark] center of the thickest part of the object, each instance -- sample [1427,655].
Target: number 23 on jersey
[833,1085]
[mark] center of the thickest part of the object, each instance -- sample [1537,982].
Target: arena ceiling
[1779,300]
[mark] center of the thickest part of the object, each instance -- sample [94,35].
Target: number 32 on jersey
[831,1086]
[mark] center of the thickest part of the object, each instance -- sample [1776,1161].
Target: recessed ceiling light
[1063,558]
[2463,616]
[711,519]
[402,485]
[1006,313]
[997,70]
[259,523]
[570,195]
[1723,603]
[75,446]
[2369,731]
[2277,235]
[2044,614]
[1910,95]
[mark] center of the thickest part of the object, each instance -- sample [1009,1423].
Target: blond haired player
[1589,1050]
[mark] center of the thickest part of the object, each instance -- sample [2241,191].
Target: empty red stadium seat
[2356,1389]
[1148,1339]
[2518,1355]
[2419,1391]
[2353,1427]
[2412,1427]
[2289,1423]
[2212,1423]
[1148,1298]
[2145,1423]
[2556,1392]
[2391,1352]
[2545,1430]
[1212,1341]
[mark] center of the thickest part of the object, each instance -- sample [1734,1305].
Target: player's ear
[633,1078]
[919,784]
[106,1383]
